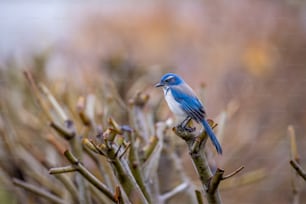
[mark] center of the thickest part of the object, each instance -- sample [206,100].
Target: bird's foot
[190,129]
[186,125]
[186,128]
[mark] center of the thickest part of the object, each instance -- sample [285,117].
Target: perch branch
[195,144]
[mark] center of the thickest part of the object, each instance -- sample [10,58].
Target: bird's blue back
[183,100]
[191,105]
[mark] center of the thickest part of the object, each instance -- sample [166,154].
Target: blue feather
[212,136]
[189,103]
[194,108]
[182,101]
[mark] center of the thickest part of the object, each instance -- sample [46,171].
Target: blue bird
[183,102]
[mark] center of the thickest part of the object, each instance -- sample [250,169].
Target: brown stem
[89,176]
[39,191]
[195,144]
[233,173]
[298,169]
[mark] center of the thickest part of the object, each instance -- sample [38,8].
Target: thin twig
[102,167]
[117,151]
[294,163]
[101,198]
[89,176]
[54,102]
[126,178]
[149,148]
[39,191]
[58,145]
[245,179]
[293,145]
[298,169]
[60,170]
[125,151]
[64,132]
[70,186]
[174,191]
[233,173]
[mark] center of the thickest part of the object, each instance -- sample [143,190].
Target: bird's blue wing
[194,108]
[189,102]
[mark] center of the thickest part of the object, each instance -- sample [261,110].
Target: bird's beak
[159,85]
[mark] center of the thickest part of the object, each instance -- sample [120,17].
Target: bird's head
[169,79]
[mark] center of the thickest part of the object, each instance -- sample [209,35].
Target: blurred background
[249,56]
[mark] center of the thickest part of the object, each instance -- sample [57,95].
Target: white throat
[174,106]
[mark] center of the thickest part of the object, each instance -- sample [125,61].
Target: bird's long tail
[212,136]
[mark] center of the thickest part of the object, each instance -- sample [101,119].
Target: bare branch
[215,181]
[39,191]
[60,170]
[174,191]
[89,176]
[298,169]
[64,132]
[118,195]
[200,161]
[294,151]
[199,197]
[233,173]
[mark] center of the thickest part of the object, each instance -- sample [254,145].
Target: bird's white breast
[173,105]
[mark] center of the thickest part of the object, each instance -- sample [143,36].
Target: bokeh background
[249,55]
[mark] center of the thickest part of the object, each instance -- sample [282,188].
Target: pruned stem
[64,169]
[199,197]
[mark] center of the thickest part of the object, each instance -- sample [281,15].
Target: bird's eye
[169,80]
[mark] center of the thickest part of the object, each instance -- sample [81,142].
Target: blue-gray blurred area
[249,54]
